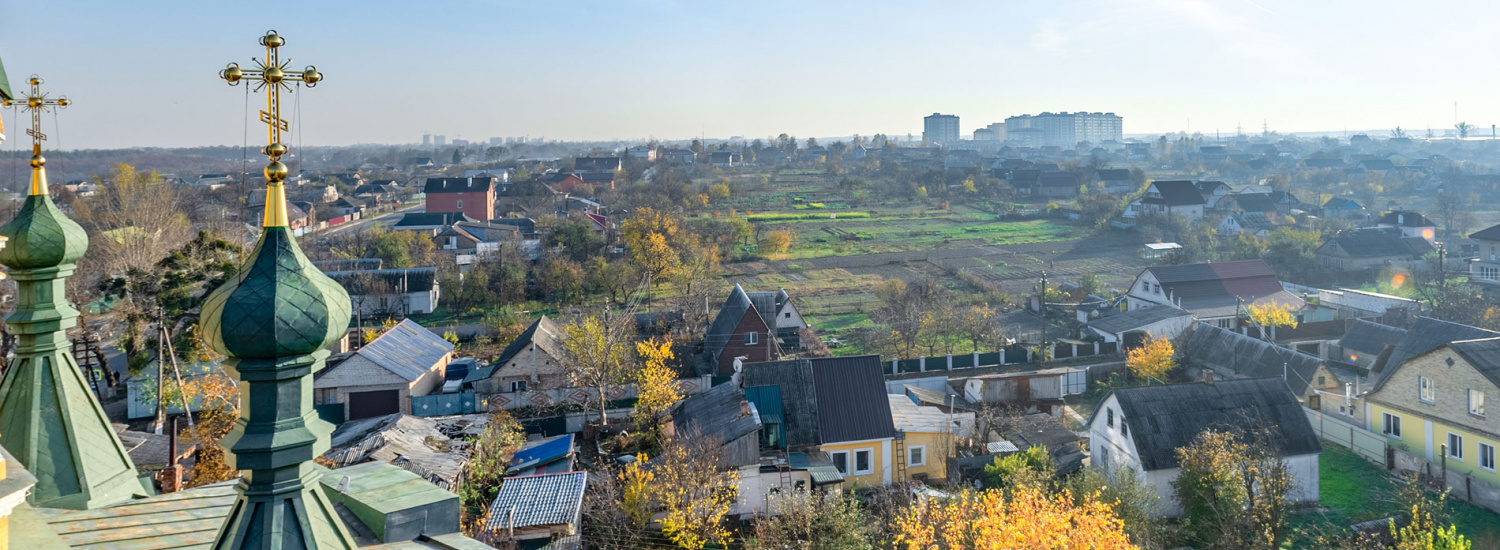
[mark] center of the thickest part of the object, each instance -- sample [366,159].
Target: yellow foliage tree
[1030,519]
[718,191]
[1273,314]
[777,242]
[1152,359]
[636,482]
[656,388]
[696,493]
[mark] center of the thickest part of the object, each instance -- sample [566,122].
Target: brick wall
[764,348]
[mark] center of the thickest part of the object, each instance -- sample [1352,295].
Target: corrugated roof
[1380,243]
[550,341]
[1250,357]
[1487,234]
[1484,355]
[718,413]
[408,350]
[910,417]
[458,185]
[818,465]
[1165,418]
[1426,334]
[799,402]
[1405,218]
[852,404]
[1136,318]
[541,452]
[185,519]
[1210,290]
[546,499]
[1370,338]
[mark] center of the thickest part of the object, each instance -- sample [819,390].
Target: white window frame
[1455,452]
[920,449]
[1109,417]
[1482,456]
[517,386]
[1479,410]
[1386,424]
[854,463]
[848,463]
[460,204]
[752,338]
[1426,393]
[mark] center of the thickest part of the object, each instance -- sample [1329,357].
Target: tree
[133,222]
[655,383]
[1233,489]
[696,491]
[1029,519]
[1463,129]
[489,456]
[777,242]
[1152,359]
[978,323]
[1291,251]
[1450,206]
[718,192]
[220,408]
[1273,315]
[1128,496]
[1090,283]
[812,521]
[600,354]
[617,279]
[1031,468]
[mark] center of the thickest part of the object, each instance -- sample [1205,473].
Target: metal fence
[1012,355]
[443,404]
[1363,442]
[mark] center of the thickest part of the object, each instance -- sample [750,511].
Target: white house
[1141,428]
[1215,293]
[1159,322]
[391,292]
[1179,197]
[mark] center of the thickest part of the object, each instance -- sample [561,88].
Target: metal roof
[817,464]
[408,350]
[458,185]
[1370,338]
[1165,418]
[1130,320]
[541,452]
[851,399]
[546,499]
[185,519]
[1175,193]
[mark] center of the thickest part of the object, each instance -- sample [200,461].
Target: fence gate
[1075,381]
[443,404]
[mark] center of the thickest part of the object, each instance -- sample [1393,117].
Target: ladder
[901,458]
[90,363]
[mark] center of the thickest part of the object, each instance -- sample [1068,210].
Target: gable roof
[1381,243]
[1209,187]
[530,501]
[722,330]
[1487,234]
[1250,357]
[1424,335]
[432,219]
[1211,289]
[478,184]
[408,350]
[1174,193]
[1057,179]
[1405,218]
[717,413]
[1112,174]
[1130,320]
[1484,355]
[550,341]
[1342,203]
[1165,418]
[828,399]
[1370,338]
[1253,202]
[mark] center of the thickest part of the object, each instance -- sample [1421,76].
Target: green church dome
[40,236]
[279,305]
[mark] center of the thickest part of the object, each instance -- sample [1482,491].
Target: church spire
[273,321]
[49,419]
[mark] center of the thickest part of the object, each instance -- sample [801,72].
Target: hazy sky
[144,73]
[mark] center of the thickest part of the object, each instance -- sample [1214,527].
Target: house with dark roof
[475,236]
[1248,202]
[1343,207]
[1215,293]
[381,377]
[1484,271]
[1252,223]
[741,330]
[1412,224]
[1364,341]
[1212,191]
[1231,354]
[1141,429]
[538,511]
[1432,401]
[1175,197]
[1372,248]
[1057,185]
[1115,180]
[392,291]
[1128,327]
[596,164]
[535,361]
[474,196]
[430,222]
[833,405]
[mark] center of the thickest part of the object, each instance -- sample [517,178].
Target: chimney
[744,408]
[170,478]
[1208,377]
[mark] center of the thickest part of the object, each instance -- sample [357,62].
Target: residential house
[1231,354]
[1214,292]
[1260,203]
[594,180]
[213,181]
[1057,185]
[391,292]
[539,511]
[1127,328]
[1142,427]
[726,158]
[1115,180]
[1364,341]
[1484,271]
[1372,248]
[779,313]
[739,330]
[835,405]
[1432,403]
[1343,207]
[596,164]
[381,377]
[1412,224]
[430,222]
[475,197]
[535,360]
[683,156]
[1252,223]
[474,237]
[642,152]
[1177,197]
[351,206]
[1212,191]
[929,436]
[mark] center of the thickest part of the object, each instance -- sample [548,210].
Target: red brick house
[738,331]
[475,196]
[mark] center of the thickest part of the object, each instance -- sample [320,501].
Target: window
[863,463]
[1391,425]
[518,385]
[1476,402]
[840,461]
[460,203]
[1146,286]
[916,455]
[1124,428]
[788,315]
[1455,446]
[751,338]
[1109,417]
[1487,456]
[1425,391]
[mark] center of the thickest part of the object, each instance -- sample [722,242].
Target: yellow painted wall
[1469,464]
[1413,428]
[936,454]
[878,460]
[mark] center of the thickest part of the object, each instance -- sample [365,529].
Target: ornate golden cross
[37,103]
[272,73]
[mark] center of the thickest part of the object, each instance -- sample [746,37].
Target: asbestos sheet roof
[719,413]
[1381,243]
[1165,418]
[545,333]
[1487,234]
[1120,323]
[529,501]
[403,440]
[409,350]
[1209,290]
[1426,334]
[1249,357]
[1484,355]
[1370,338]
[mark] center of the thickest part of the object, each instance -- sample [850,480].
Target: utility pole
[1042,307]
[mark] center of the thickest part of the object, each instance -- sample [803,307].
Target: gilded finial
[273,75]
[36,103]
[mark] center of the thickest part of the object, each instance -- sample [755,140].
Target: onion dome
[40,236]
[279,305]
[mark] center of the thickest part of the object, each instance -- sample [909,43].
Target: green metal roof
[279,305]
[41,236]
[185,519]
[4,84]
[818,465]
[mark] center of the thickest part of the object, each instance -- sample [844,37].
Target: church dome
[279,305]
[40,236]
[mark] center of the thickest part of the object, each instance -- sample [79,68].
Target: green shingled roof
[4,84]
[41,236]
[279,305]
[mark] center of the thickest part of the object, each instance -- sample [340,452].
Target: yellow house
[925,438]
[1432,404]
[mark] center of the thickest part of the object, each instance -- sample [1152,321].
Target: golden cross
[37,103]
[272,73]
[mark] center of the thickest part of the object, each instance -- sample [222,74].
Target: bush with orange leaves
[1029,520]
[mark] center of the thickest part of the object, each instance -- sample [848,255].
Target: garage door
[367,404]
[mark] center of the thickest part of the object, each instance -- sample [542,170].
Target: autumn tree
[1028,519]
[219,409]
[133,222]
[777,242]
[600,355]
[656,384]
[1273,314]
[978,324]
[1234,491]
[1128,496]
[812,521]
[1029,468]
[718,192]
[489,457]
[1152,359]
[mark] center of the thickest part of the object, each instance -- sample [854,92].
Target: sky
[145,73]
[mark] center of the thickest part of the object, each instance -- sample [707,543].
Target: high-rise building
[441,140]
[426,140]
[1064,129]
[939,128]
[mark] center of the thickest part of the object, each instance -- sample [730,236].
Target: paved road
[386,220]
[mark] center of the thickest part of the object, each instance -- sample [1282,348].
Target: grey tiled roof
[1130,320]
[547,499]
[1370,338]
[1424,335]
